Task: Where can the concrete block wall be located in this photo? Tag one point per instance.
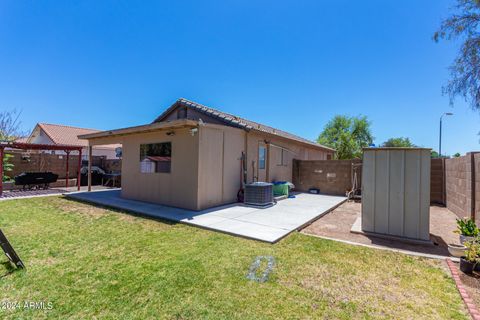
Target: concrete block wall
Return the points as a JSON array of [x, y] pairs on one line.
[[330, 176], [43, 162], [334, 177], [437, 181], [460, 184], [476, 186], [456, 185], [56, 164]]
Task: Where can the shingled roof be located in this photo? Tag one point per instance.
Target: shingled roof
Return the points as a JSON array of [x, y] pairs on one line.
[[235, 121]]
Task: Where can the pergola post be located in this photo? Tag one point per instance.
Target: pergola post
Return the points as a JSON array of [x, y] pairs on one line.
[[79, 175], [1, 170], [37, 146], [90, 149], [67, 167]]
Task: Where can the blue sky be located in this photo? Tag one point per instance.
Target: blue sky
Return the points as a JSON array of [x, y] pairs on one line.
[[289, 64]]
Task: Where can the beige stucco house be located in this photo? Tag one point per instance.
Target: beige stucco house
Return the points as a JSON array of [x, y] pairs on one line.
[[191, 156]]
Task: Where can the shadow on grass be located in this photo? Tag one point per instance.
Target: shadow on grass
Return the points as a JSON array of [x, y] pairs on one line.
[[7, 269], [113, 209]]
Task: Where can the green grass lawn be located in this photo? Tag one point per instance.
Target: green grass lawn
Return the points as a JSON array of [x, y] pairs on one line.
[[90, 262]]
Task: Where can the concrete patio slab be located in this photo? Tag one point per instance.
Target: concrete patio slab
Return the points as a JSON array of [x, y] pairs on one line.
[[267, 224]]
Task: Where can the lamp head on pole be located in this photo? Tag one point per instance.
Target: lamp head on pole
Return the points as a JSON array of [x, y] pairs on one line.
[[446, 114]]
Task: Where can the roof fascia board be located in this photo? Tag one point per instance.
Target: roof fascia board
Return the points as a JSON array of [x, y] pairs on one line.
[[140, 129], [312, 145]]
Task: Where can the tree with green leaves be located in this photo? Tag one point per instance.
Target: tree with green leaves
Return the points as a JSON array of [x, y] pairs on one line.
[[457, 155], [347, 135], [464, 26], [398, 143]]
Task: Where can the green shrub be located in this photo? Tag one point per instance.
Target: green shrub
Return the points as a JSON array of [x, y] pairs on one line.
[[472, 254], [467, 227], [7, 166]]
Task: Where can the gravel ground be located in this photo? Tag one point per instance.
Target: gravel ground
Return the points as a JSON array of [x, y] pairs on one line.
[[337, 224]]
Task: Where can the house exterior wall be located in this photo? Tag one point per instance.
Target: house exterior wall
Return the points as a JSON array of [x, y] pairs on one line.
[[38, 136], [220, 150], [220, 154], [206, 167], [179, 188], [275, 170]]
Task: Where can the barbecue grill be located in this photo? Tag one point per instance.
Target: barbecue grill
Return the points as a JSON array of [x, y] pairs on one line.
[[39, 180]]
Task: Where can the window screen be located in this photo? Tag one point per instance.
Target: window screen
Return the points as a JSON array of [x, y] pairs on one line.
[[262, 154], [156, 157]]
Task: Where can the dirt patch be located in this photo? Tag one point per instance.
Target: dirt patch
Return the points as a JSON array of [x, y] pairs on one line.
[[84, 209], [337, 225], [472, 285]]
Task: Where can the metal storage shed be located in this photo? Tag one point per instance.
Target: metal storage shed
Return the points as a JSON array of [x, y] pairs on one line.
[[396, 192]]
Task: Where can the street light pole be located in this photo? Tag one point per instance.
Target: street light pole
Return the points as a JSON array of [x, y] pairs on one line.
[[440, 135]]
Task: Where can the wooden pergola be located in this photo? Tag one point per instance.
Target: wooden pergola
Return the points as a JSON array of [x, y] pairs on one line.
[[34, 146]]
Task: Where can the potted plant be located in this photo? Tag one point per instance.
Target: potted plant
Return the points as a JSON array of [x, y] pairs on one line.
[[469, 262], [456, 250], [467, 229]]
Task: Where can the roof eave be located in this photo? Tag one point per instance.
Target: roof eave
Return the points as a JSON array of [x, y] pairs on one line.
[[309, 144], [140, 129]]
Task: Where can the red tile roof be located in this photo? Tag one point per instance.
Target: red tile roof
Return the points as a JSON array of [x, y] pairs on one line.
[[68, 135]]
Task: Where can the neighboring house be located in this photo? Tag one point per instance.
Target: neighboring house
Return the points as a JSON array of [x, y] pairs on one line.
[[44, 133], [197, 153]]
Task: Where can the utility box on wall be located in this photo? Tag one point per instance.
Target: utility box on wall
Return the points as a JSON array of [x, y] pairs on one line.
[[396, 192]]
